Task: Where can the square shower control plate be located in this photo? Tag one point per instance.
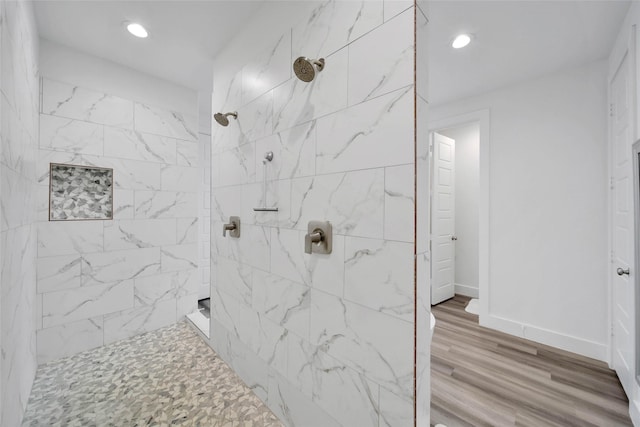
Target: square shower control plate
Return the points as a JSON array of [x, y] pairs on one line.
[[326, 244]]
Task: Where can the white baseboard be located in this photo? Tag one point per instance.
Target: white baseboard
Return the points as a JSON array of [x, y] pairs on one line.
[[544, 336], [466, 290]]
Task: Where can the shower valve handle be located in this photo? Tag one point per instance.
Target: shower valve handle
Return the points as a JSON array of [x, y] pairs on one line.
[[316, 237], [233, 227]]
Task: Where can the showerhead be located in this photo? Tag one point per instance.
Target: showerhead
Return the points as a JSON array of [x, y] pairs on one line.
[[305, 68], [222, 118]]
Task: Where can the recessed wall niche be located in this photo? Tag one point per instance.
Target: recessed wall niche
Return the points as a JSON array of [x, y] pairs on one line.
[[80, 193]]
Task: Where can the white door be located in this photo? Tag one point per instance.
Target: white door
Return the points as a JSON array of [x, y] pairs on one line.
[[623, 315], [442, 219]]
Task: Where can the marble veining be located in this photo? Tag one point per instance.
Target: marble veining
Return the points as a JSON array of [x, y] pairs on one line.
[[161, 378]]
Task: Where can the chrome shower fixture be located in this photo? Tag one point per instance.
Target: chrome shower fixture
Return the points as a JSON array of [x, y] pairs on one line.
[[222, 118], [305, 68]]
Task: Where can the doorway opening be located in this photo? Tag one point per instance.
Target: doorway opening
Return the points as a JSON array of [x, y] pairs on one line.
[[455, 196], [460, 209]]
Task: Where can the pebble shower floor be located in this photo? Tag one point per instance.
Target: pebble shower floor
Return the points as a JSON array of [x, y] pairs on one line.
[[169, 377]]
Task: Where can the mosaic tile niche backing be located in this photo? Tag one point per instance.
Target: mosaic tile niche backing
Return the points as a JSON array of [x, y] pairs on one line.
[[80, 192]]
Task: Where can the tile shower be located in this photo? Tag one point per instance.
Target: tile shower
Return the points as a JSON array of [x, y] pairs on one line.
[[325, 340], [102, 281]]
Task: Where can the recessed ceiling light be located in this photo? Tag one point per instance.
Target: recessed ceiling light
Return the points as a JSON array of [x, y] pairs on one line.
[[461, 41], [137, 30]]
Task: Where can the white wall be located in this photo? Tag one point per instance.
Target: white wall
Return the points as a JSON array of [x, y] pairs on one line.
[[548, 207], [102, 281], [467, 192], [325, 340], [18, 148]]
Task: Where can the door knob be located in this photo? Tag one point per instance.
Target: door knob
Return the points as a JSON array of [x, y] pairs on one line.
[[454, 237], [620, 271]]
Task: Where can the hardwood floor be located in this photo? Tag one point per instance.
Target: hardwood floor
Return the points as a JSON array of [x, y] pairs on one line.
[[482, 377]]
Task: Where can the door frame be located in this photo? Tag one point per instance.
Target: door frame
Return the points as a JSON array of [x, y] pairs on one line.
[[483, 117]]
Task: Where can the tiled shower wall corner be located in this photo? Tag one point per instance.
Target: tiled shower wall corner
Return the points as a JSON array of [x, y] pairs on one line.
[[102, 281], [18, 151], [325, 340]]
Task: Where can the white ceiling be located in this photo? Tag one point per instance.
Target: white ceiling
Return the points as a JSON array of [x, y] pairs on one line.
[[514, 41], [184, 36]]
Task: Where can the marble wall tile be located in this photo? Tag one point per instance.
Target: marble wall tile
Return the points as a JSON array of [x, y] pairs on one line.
[[300, 364], [423, 179], [251, 248], [399, 206], [379, 275], [295, 409], [133, 174], [63, 307], [57, 133], [225, 202], [59, 272], [160, 121], [375, 344], [268, 70], [235, 279], [353, 202], [179, 178], [186, 305], [19, 130], [13, 137], [186, 283], [348, 395], [187, 230], [108, 267], [165, 204], [334, 24], [423, 343], [140, 233], [356, 138], [68, 339], [395, 411], [17, 191], [151, 289], [255, 120], [134, 145], [123, 205], [393, 47], [422, 54], [269, 342], [135, 321], [67, 238], [296, 102], [179, 257], [66, 100], [250, 368], [294, 152], [288, 259], [186, 153], [394, 7], [282, 301], [237, 166]]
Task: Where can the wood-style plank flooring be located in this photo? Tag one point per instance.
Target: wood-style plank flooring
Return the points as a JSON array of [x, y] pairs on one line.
[[482, 377]]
